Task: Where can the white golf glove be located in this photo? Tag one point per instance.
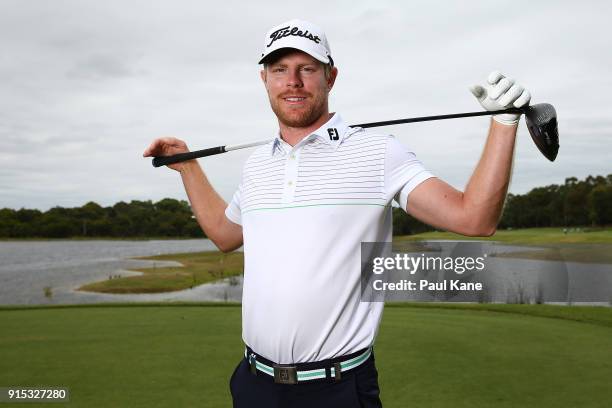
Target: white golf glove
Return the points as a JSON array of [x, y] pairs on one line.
[[501, 93]]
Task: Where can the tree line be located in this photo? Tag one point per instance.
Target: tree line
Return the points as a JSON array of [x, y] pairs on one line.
[[576, 203], [136, 219]]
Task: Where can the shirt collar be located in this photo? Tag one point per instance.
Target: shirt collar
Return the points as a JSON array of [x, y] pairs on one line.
[[332, 133]]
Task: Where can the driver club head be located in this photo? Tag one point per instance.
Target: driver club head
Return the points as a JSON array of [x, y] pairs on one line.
[[541, 121]]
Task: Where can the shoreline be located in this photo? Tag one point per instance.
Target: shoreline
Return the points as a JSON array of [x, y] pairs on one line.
[[523, 236], [100, 239]]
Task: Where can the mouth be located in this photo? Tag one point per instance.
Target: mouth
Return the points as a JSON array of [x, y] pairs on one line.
[[294, 100]]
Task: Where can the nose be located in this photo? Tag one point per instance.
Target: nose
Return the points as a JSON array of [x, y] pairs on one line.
[[294, 79]]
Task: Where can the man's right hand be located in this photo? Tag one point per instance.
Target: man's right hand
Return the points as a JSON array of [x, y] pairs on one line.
[[167, 146]]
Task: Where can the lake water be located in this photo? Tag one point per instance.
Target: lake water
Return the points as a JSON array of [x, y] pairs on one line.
[[504, 279], [28, 267]]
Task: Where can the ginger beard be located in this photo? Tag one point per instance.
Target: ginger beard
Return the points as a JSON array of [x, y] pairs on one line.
[[303, 114]]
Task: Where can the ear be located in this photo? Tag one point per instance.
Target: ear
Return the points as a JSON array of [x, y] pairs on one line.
[[332, 78], [262, 74]]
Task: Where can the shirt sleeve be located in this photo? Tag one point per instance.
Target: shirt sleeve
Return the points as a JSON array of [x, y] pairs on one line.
[[233, 212], [403, 172]]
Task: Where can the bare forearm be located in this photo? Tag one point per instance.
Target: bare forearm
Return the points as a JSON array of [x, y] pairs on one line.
[[485, 193], [206, 203]]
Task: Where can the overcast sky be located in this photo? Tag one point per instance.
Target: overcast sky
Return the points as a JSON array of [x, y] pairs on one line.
[[85, 86]]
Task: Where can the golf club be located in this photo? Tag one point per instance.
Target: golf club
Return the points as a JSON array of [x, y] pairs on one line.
[[541, 122]]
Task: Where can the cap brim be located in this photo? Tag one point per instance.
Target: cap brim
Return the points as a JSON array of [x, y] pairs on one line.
[[317, 56]]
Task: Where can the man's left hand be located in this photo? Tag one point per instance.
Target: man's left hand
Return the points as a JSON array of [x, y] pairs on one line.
[[501, 93]]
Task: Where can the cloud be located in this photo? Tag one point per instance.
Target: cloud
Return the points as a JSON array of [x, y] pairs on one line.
[[87, 85], [99, 67]]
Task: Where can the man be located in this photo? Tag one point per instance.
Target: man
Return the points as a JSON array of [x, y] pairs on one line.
[[305, 203]]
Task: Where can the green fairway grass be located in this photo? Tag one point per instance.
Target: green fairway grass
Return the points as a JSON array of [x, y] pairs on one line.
[[123, 356], [428, 355], [586, 246], [526, 236], [584, 253]]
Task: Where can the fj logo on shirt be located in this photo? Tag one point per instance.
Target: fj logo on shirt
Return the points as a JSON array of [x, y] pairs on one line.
[[333, 134], [287, 31]]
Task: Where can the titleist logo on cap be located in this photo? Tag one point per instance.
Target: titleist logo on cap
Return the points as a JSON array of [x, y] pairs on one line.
[[287, 31]]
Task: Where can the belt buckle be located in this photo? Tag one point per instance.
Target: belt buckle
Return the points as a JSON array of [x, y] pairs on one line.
[[285, 374], [337, 371]]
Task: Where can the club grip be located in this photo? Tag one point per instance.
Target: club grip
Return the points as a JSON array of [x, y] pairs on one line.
[[181, 157]]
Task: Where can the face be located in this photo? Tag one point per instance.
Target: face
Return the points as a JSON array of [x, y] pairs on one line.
[[297, 88]]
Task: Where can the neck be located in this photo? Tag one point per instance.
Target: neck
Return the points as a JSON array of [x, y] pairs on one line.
[[293, 135]]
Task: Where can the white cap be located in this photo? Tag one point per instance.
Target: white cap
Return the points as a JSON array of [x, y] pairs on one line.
[[298, 34]]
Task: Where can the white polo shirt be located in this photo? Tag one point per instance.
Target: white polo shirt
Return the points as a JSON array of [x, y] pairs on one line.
[[305, 210]]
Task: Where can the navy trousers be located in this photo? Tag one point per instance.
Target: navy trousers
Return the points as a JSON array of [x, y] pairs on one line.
[[358, 388]]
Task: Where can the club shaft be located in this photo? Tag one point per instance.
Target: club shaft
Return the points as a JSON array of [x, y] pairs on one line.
[[437, 117], [177, 158]]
